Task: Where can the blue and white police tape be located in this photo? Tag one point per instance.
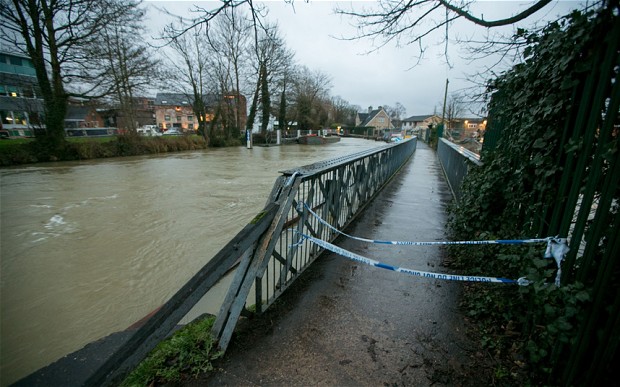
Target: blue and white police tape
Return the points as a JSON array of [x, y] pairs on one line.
[[436, 243], [557, 248], [449, 277]]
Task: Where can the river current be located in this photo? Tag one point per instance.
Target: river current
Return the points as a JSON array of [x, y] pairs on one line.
[[89, 248]]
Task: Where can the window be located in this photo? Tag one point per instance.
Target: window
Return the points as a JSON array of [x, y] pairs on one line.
[[381, 120], [20, 118], [27, 92], [7, 117], [35, 119], [167, 117], [190, 118], [179, 118], [15, 61]]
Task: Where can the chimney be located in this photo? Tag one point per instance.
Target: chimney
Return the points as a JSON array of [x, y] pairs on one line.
[[369, 109]]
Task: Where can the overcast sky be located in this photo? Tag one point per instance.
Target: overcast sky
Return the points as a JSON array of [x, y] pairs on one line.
[[386, 75]]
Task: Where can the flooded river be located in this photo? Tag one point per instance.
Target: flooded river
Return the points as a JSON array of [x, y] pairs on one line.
[[89, 248]]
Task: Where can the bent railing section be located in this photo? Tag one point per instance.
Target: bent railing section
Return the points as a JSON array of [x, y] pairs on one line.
[[266, 255], [455, 161], [337, 190]]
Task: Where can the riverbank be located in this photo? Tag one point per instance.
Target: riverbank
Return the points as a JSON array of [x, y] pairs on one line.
[[29, 151]]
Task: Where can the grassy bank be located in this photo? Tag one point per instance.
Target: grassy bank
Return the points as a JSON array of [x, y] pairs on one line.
[[188, 353], [27, 151]]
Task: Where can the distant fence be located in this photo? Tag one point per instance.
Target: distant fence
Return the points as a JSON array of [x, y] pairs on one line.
[[266, 254], [456, 162]]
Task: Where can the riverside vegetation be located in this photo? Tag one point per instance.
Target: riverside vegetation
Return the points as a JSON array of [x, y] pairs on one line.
[[26, 151]]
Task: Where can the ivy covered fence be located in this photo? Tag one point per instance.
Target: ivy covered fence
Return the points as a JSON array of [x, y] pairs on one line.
[[551, 168]]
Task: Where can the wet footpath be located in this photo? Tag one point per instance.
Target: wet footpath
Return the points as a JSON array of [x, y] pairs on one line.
[[358, 325]]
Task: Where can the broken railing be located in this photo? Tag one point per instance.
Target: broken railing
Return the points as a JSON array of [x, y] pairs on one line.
[[267, 255]]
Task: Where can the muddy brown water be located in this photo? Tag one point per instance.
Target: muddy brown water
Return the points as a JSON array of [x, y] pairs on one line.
[[89, 248]]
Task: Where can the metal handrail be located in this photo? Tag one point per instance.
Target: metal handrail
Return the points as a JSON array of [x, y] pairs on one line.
[[455, 161]]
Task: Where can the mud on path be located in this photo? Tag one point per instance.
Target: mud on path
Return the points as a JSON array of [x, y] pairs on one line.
[[347, 324]]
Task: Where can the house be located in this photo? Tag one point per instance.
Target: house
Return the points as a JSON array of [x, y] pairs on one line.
[[83, 116], [463, 128], [21, 107], [420, 122], [174, 110], [377, 119], [143, 114]]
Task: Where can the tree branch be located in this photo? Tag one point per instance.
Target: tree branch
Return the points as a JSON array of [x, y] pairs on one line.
[[496, 23]]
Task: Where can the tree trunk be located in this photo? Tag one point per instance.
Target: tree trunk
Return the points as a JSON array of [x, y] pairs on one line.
[[252, 113], [265, 100]]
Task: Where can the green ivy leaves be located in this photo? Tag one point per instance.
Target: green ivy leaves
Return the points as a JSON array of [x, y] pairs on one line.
[[508, 196]]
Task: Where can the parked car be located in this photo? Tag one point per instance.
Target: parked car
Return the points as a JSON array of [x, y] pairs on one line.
[[395, 138], [148, 131], [172, 132]]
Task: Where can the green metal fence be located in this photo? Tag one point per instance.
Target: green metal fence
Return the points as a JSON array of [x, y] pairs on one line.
[[586, 211], [455, 162]]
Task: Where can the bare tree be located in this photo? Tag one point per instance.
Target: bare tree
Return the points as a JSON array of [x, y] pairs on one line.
[[396, 112], [455, 108], [56, 35], [230, 40], [272, 68], [310, 88], [190, 63], [127, 64], [343, 112], [410, 22]]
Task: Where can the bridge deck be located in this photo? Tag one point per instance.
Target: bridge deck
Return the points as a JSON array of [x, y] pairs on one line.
[[359, 325]]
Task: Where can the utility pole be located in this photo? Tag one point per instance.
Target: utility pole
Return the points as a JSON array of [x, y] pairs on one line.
[[443, 113]]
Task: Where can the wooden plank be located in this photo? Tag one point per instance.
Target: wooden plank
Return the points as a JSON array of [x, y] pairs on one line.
[[259, 263], [240, 274]]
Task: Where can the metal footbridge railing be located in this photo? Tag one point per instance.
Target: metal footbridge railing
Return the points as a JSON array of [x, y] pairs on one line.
[[267, 255]]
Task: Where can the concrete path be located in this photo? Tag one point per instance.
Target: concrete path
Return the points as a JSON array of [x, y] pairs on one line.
[[356, 325]]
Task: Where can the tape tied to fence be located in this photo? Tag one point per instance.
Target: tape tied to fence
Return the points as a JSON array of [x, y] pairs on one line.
[[434, 243], [448, 277], [557, 247]]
